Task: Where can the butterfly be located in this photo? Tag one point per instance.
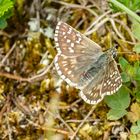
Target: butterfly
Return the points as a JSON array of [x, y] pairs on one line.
[[83, 65]]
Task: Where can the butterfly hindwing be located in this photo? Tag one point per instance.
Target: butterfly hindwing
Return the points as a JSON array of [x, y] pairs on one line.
[[106, 82], [72, 69]]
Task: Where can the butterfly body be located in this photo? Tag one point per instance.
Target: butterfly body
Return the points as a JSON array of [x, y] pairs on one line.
[[82, 64], [94, 68]]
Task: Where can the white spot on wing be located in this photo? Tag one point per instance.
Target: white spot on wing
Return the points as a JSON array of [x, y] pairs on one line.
[[69, 31], [57, 27], [59, 23], [87, 100], [70, 83], [93, 102], [59, 72], [55, 38], [109, 82], [59, 50], [64, 33], [72, 44], [64, 62], [69, 72], [56, 64], [56, 31], [72, 75], [71, 50], [68, 40], [118, 78], [66, 69], [63, 77], [56, 44]]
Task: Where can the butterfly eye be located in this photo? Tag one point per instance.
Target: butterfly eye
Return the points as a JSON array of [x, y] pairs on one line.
[[114, 54]]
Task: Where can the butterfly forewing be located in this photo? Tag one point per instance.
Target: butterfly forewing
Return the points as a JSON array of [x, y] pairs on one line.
[[75, 53], [71, 42]]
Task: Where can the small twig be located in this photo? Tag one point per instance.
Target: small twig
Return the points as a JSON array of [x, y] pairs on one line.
[[117, 14], [8, 54], [80, 23], [125, 49], [97, 26], [116, 30], [125, 52], [71, 105], [127, 29], [21, 106], [97, 20], [3, 33], [61, 119], [80, 125], [129, 42], [106, 135], [79, 121], [4, 108], [44, 56], [36, 77], [41, 61], [76, 6], [15, 77], [65, 123], [9, 129], [48, 129], [37, 4]]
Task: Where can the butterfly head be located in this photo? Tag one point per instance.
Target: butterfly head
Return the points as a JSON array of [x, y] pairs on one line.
[[113, 51]]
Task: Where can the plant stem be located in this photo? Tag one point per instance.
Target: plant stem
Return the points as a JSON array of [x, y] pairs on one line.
[[124, 8]]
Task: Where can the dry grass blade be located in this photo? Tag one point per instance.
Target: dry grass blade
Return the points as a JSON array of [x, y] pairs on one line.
[[76, 6], [84, 120]]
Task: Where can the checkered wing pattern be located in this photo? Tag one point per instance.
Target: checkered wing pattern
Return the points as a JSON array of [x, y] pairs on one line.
[[106, 82], [75, 53], [82, 64]]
